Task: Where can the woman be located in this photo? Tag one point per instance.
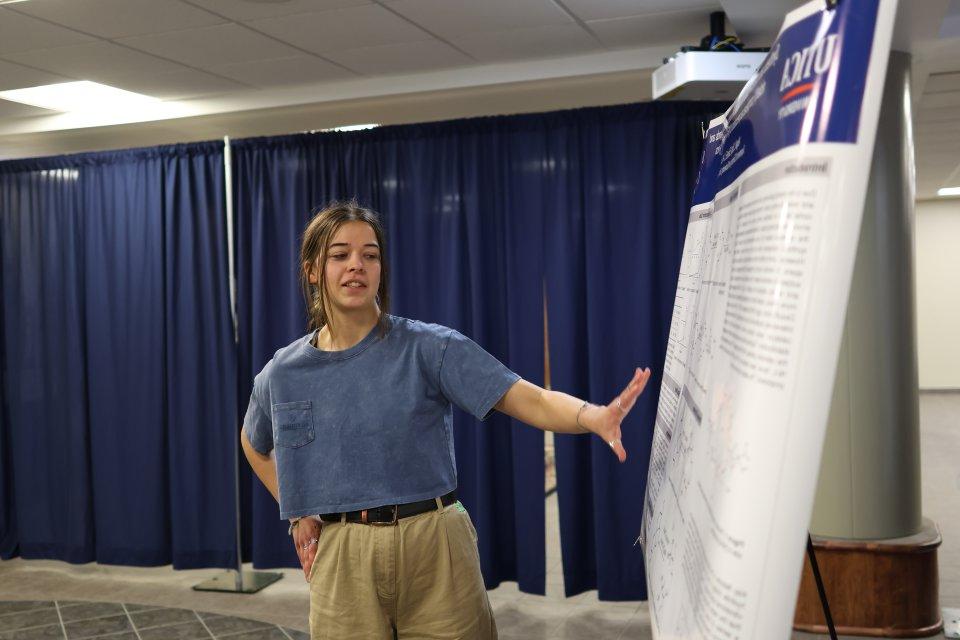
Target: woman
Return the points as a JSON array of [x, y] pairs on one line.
[[359, 415]]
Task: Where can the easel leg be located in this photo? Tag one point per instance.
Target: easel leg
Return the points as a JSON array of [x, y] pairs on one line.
[[820, 589]]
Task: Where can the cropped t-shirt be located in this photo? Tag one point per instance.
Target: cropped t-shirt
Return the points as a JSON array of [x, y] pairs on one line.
[[370, 425]]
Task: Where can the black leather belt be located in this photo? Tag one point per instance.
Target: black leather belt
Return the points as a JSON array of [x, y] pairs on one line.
[[389, 514]]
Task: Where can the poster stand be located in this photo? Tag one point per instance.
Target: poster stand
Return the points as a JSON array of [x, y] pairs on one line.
[[823, 593]]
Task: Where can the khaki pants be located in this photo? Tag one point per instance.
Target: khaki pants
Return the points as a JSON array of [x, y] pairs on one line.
[[420, 578]]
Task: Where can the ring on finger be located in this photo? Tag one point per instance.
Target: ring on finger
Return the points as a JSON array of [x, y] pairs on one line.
[[620, 406], [613, 443]]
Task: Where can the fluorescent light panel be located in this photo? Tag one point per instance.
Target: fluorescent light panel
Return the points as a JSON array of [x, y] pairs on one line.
[[949, 191], [78, 96], [353, 127]]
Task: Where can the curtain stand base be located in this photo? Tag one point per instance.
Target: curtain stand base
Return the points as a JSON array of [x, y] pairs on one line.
[[249, 582]]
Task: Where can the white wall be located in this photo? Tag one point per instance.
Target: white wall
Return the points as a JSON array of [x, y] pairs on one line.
[[938, 293]]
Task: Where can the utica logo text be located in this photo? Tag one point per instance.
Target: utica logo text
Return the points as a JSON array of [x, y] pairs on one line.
[[800, 71]]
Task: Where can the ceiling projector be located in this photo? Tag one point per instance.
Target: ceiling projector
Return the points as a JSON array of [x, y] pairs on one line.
[[715, 70]]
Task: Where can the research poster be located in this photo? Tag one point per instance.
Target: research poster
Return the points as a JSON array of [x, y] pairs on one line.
[[757, 322]]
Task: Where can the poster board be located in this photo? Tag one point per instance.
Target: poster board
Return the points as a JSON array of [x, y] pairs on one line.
[[756, 328]]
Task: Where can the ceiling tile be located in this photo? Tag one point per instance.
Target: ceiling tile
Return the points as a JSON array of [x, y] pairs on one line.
[[940, 99], [941, 159], [940, 173], [23, 33], [350, 28], [14, 76], [451, 18], [935, 128], [684, 27], [944, 81], [941, 133], [119, 18], [428, 55], [948, 147], [950, 132], [17, 110], [245, 10], [211, 46], [935, 114], [950, 27], [284, 71], [534, 42], [86, 61], [593, 10], [175, 85], [938, 56]]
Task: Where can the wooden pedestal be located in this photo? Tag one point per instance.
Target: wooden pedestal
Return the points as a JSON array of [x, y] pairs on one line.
[[881, 588]]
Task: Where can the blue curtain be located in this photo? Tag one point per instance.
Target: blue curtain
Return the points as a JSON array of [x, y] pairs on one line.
[[118, 359], [119, 403], [618, 216], [485, 219]]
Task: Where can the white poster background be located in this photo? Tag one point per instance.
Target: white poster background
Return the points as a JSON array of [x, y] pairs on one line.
[[751, 361]]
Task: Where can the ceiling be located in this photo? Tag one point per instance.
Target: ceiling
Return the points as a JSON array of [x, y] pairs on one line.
[[257, 67], [936, 71]]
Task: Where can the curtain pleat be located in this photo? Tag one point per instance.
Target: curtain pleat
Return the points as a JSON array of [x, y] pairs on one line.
[[119, 393]]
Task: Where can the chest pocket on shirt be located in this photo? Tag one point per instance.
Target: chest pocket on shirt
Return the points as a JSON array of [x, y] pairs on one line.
[[294, 423]]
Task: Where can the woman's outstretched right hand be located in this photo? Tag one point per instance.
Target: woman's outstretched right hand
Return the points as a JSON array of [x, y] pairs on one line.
[[306, 535]]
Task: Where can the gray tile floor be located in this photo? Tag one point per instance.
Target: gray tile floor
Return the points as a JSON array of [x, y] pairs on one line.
[[285, 603], [75, 620]]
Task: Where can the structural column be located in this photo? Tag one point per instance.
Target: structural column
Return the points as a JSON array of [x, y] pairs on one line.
[[876, 552]]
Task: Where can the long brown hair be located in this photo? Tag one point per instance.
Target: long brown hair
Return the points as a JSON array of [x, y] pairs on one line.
[[317, 235]]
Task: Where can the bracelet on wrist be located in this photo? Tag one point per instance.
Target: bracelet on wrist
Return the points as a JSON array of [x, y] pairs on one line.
[[293, 525], [579, 411]]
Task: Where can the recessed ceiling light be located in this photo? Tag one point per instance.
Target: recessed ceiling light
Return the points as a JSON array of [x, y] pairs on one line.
[[82, 95], [949, 191]]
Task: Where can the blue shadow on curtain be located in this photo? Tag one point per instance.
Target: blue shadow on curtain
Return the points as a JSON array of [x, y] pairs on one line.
[[118, 359], [618, 215]]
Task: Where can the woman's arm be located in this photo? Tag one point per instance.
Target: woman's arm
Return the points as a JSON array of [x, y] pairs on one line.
[[307, 530], [262, 465], [563, 413]]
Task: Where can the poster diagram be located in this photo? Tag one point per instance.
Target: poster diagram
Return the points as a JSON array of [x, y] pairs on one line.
[[756, 328]]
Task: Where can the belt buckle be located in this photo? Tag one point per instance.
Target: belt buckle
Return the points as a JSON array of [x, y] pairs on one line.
[[365, 520]]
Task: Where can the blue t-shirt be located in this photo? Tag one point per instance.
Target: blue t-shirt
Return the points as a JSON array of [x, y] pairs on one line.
[[370, 425]]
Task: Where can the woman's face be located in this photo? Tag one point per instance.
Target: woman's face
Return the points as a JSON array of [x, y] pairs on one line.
[[352, 273]]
